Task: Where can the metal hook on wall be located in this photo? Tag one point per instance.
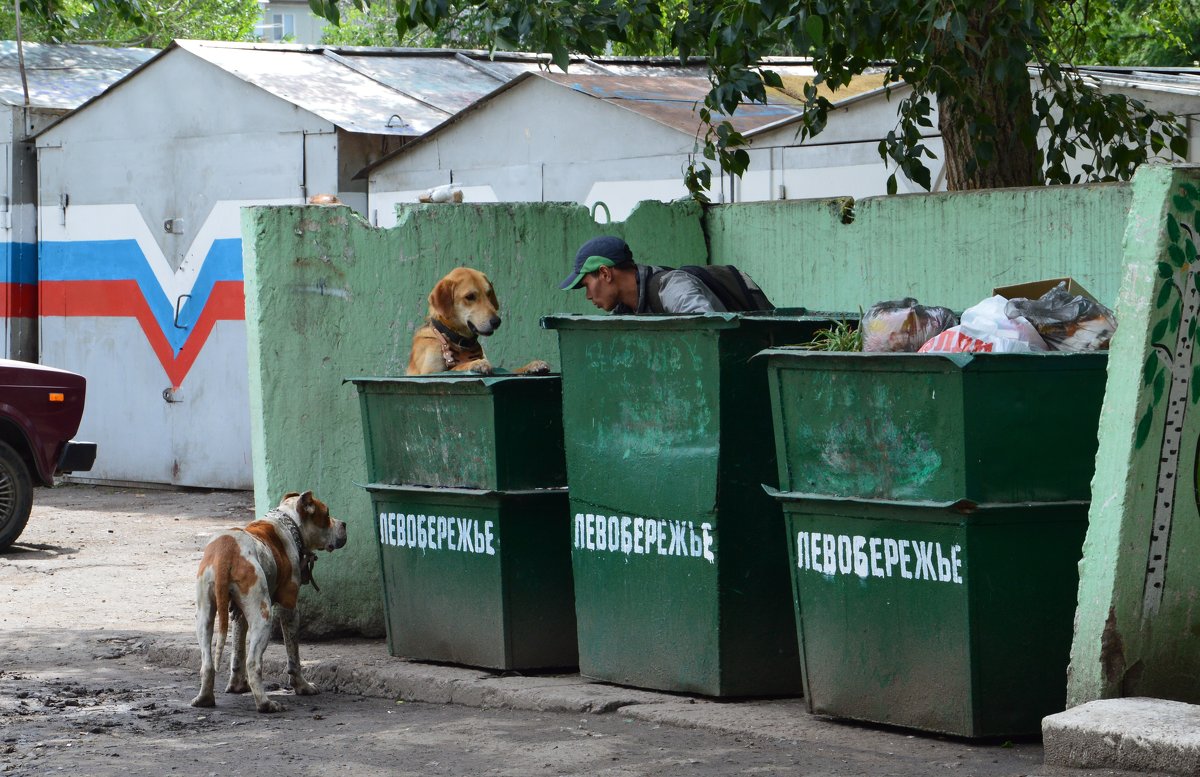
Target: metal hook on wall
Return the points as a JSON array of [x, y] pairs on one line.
[[179, 309]]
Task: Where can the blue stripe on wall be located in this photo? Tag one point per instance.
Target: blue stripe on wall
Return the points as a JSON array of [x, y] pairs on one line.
[[119, 260]]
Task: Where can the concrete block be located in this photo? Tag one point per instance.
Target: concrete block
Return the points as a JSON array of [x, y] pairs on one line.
[[1137, 734]]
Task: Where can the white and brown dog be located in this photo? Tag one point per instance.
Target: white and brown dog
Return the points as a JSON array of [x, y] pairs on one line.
[[246, 571], [462, 308]]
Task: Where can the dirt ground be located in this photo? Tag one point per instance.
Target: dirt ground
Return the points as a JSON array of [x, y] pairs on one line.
[[101, 572]]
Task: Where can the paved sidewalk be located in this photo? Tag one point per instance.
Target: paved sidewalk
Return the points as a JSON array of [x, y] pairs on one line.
[[363, 667], [135, 552], [1085, 744]]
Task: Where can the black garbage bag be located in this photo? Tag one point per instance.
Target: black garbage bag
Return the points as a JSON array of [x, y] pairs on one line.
[[1066, 322], [902, 325]]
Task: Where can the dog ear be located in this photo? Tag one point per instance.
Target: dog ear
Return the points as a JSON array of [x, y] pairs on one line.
[[306, 501], [491, 294], [289, 495], [441, 299]]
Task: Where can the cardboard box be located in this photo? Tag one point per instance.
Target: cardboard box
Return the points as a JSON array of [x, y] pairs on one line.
[[1035, 289]]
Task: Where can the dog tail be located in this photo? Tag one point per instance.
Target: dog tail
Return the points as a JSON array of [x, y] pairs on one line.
[[221, 605]]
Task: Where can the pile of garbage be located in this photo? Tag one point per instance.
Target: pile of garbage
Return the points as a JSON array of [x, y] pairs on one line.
[[1058, 320]]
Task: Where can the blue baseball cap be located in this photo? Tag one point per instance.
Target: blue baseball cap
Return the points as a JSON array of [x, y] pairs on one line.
[[603, 251]]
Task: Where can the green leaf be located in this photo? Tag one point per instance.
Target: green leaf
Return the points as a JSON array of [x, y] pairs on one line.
[[1175, 253], [1143, 428], [1179, 146], [891, 184], [1183, 204], [1164, 294], [1159, 330], [1160, 383], [1172, 228], [1165, 270], [815, 27], [1149, 368], [561, 57], [1195, 383]]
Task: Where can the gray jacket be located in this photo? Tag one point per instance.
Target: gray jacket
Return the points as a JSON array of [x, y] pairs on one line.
[[677, 291]]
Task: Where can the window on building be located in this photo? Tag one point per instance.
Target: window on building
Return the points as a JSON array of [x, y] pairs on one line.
[[277, 27]]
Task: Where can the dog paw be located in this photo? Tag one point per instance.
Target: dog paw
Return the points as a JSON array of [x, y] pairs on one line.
[[481, 367], [536, 367], [204, 700], [306, 689], [240, 686], [270, 706]]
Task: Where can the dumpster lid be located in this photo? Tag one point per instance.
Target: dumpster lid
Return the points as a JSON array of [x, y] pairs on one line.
[[465, 381], [404, 488], [964, 506], [690, 321], [1059, 360]]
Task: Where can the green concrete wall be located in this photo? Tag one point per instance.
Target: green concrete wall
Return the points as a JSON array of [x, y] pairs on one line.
[[328, 297], [1138, 621], [943, 249]]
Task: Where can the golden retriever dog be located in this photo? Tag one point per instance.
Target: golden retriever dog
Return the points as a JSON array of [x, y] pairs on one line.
[[462, 308]]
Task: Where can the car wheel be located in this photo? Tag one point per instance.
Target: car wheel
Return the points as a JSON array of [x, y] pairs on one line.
[[16, 495]]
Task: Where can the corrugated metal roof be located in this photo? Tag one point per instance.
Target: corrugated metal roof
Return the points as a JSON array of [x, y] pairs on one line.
[[64, 77], [1185, 81], [365, 89], [674, 101], [323, 86]]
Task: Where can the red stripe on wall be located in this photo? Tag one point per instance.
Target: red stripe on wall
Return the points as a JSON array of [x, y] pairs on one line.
[[18, 300], [123, 299]]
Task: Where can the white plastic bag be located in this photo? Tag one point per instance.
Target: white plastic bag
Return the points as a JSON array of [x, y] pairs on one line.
[[986, 327]]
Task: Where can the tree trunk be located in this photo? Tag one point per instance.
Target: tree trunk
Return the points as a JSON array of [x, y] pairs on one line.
[[1179, 372], [984, 100]]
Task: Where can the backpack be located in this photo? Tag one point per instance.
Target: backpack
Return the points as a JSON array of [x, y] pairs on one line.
[[736, 290]]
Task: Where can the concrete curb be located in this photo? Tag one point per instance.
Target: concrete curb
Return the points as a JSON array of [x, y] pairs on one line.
[[1136, 734], [363, 667]]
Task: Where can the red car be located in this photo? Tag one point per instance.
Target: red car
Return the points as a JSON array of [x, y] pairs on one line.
[[40, 409]]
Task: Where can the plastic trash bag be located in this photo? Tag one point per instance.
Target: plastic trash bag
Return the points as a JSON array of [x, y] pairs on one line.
[[986, 327], [902, 325], [1066, 322]]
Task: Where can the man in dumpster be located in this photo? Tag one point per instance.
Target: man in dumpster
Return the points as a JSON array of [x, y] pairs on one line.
[[604, 266]]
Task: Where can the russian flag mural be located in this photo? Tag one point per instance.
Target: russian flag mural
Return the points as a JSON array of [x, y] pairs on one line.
[[160, 339], [18, 281], [18, 300]]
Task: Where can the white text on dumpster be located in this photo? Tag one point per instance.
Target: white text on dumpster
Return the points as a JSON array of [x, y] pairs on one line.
[[436, 532], [842, 554], [644, 536]]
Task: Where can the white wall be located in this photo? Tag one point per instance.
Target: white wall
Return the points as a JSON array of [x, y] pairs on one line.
[[148, 314]]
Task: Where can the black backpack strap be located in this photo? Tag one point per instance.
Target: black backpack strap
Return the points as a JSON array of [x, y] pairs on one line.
[[719, 290], [728, 284], [653, 302]]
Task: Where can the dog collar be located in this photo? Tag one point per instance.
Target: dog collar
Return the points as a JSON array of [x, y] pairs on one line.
[[454, 337], [308, 559]]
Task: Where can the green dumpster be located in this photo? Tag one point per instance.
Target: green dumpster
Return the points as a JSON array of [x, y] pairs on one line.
[[936, 506], [468, 486], [947, 617], [938, 426], [465, 431], [681, 583], [474, 577]]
